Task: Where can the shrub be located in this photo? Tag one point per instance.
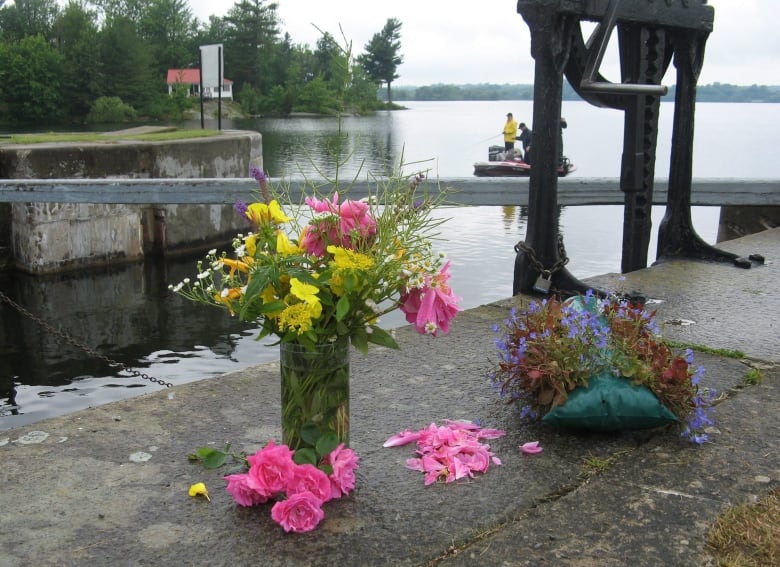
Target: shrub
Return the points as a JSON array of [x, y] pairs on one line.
[[110, 109]]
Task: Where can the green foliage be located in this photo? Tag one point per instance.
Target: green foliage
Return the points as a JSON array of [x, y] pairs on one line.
[[169, 27], [27, 18], [127, 65], [317, 97], [753, 377], [554, 347], [250, 44], [249, 99], [214, 458], [30, 81], [76, 37], [173, 106], [382, 56], [108, 109]]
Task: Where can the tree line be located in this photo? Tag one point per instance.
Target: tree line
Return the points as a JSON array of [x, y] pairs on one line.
[[716, 92], [107, 60]]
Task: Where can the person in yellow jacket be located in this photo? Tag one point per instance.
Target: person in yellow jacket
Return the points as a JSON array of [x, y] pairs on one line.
[[510, 133]]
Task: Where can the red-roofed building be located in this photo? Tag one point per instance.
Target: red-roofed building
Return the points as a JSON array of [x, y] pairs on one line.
[[191, 78]]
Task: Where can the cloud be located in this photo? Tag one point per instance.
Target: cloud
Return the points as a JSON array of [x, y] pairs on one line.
[[489, 42]]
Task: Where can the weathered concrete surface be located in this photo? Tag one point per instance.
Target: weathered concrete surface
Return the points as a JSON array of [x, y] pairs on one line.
[[109, 485], [56, 237]]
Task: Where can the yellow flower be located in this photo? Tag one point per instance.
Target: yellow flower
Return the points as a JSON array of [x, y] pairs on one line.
[[227, 296], [337, 283], [305, 292], [269, 294], [260, 213], [284, 246], [299, 316], [251, 245], [236, 265], [199, 489], [349, 259]]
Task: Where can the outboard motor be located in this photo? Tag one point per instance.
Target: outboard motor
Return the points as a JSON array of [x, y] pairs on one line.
[[495, 153]]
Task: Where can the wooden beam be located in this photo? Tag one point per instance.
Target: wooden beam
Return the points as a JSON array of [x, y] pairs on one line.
[[462, 191]]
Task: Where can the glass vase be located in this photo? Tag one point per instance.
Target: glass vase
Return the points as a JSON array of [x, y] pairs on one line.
[[315, 392]]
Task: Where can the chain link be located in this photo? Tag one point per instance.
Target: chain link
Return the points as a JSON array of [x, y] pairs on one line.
[[72, 341], [536, 263]]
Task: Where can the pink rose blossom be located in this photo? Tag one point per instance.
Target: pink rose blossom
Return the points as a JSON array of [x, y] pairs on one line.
[[301, 512], [308, 478], [270, 468], [348, 225], [343, 461], [241, 489], [432, 306]]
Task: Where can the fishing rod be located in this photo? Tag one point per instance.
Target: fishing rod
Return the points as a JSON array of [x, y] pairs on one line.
[[486, 139]]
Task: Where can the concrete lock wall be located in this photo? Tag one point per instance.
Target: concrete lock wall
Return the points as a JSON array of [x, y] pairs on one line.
[[57, 237]]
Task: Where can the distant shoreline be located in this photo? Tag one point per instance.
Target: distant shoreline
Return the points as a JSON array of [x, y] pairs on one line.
[[714, 92]]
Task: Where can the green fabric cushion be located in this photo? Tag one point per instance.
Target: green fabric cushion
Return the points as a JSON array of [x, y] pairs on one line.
[[610, 403]]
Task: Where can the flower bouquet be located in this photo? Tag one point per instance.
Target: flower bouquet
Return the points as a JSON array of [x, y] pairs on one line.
[[598, 364], [319, 275]]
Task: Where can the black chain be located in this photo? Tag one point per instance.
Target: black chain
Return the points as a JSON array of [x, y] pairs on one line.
[[72, 341], [531, 255]]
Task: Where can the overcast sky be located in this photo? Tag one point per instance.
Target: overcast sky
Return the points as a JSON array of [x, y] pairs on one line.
[[458, 41]]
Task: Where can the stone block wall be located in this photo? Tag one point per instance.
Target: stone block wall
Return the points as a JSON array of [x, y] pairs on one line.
[[56, 237]]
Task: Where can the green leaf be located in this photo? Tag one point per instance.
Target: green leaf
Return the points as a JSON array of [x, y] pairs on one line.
[[310, 433], [381, 337], [326, 443], [304, 456], [327, 469], [360, 340], [342, 308], [271, 307], [212, 458]]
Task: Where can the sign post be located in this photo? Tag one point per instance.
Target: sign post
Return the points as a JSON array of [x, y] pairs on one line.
[[212, 76]]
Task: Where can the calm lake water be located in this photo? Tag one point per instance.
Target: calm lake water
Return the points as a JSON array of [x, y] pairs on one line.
[[129, 315]]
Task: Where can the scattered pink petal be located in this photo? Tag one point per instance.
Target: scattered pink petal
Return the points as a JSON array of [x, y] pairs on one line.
[[531, 448], [402, 438], [449, 452]]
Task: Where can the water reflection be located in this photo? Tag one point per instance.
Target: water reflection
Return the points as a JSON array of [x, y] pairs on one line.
[[308, 147], [125, 315]]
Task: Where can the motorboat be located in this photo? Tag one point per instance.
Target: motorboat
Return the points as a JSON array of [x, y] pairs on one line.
[[510, 164]]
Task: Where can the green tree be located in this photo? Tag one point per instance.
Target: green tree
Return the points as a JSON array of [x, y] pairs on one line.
[[26, 18], [317, 97], [252, 32], [75, 36], [361, 94], [170, 30], [132, 10], [30, 81], [127, 66], [382, 57]]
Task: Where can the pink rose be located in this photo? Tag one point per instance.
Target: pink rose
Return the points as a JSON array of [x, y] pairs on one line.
[[348, 225], [344, 461], [301, 512], [308, 478], [433, 306], [270, 468], [241, 489]]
